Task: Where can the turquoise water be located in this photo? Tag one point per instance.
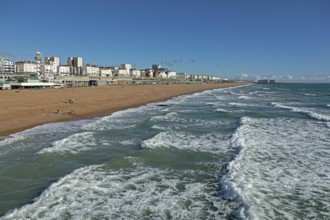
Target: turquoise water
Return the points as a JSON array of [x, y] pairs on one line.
[[253, 152]]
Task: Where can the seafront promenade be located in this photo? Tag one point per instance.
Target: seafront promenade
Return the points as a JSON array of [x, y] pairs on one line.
[[23, 109]]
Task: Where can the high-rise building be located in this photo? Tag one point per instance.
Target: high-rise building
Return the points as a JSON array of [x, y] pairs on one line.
[[126, 66], [7, 66], [156, 70], [52, 61], [155, 67], [75, 61]]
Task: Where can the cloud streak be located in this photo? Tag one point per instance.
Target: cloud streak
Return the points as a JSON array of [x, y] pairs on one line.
[[286, 78], [6, 54], [174, 62]]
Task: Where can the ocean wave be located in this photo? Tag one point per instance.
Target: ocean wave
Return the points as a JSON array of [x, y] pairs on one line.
[[211, 143], [124, 119], [238, 104], [171, 116], [46, 129], [173, 120], [73, 144], [12, 139], [244, 97], [271, 174], [309, 94], [97, 192], [230, 189], [222, 110], [306, 111]]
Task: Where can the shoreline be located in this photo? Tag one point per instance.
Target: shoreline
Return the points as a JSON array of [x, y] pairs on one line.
[[24, 109]]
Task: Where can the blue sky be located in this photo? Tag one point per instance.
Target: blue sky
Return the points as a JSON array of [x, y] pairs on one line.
[[288, 40]]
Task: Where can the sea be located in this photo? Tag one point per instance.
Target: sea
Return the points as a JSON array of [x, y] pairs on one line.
[[249, 152]]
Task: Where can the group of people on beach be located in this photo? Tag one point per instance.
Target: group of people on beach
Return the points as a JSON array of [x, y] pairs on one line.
[[69, 101]]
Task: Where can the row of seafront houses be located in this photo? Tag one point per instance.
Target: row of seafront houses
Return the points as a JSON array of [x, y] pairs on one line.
[[19, 74]]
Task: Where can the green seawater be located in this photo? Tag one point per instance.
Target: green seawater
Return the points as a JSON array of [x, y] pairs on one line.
[[253, 152]]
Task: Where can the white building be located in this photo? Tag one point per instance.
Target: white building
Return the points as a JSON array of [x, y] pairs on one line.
[[7, 66], [135, 73], [26, 66], [182, 76], [63, 70], [92, 71], [171, 74], [162, 74], [105, 72], [48, 69], [167, 74], [121, 73], [149, 73], [126, 69]]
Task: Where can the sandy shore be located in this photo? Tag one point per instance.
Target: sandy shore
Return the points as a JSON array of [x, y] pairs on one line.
[[23, 109]]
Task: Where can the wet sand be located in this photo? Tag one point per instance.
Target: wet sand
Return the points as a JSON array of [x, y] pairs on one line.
[[23, 109]]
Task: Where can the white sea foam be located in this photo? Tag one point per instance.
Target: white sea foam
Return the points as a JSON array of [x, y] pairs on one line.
[[171, 116], [96, 192], [222, 110], [130, 142], [309, 94], [174, 121], [244, 97], [73, 144], [123, 119], [212, 143], [238, 104], [12, 139], [59, 127], [306, 111], [282, 170]]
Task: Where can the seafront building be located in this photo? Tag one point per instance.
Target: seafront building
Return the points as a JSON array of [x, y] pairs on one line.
[[7, 66], [75, 61], [135, 73], [91, 70], [105, 71], [52, 60], [26, 66], [63, 70], [49, 72]]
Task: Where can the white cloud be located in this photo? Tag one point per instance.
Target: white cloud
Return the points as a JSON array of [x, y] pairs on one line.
[[244, 75], [286, 78]]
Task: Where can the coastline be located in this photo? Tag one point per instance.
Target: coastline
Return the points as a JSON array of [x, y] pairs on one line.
[[24, 109]]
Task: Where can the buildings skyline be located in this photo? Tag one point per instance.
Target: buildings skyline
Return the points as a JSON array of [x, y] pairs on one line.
[[50, 68]]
